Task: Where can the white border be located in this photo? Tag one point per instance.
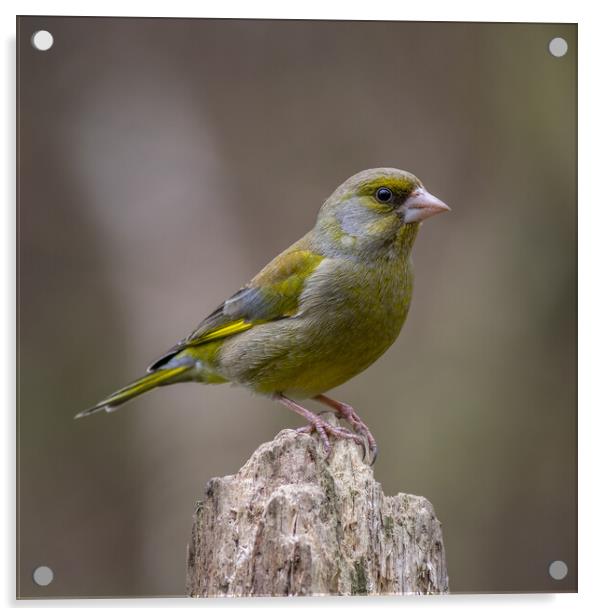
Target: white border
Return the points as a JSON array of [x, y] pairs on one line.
[[434, 10], [590, 305]]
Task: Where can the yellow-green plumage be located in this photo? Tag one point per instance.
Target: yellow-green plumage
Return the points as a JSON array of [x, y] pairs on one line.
[[350, 314], [137, 388], [320, 312]]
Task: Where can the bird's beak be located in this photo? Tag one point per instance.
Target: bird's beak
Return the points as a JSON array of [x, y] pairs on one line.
[[421, 205]]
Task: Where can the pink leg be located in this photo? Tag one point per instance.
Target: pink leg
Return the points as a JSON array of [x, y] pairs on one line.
[[347, 412], [322, 427]]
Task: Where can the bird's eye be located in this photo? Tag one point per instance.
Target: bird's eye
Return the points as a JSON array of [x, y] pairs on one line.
[[384, 195]]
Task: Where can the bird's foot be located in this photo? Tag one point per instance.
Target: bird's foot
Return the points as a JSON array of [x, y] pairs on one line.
[[321, 426], [347, 412], [326, 430]]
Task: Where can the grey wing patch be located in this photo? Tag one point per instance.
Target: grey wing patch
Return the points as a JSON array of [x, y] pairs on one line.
[[250, 304], [244, 304]]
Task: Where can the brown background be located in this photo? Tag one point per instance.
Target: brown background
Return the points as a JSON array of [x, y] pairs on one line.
[[163, 162]]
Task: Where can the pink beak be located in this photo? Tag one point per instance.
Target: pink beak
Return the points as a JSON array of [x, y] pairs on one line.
[[421, 205]]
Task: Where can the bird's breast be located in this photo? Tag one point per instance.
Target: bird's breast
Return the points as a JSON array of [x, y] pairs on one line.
[[349, 314]]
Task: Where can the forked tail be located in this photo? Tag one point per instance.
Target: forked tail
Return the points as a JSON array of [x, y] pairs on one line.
[[141, 386]]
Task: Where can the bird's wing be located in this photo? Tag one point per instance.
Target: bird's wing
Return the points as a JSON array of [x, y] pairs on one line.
[[273, 294]]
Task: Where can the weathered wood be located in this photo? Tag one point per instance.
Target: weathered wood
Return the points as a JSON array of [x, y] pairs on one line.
[[291, 523]]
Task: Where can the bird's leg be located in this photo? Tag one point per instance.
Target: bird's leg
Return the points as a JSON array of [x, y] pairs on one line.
[[321, 426], [346, 411]]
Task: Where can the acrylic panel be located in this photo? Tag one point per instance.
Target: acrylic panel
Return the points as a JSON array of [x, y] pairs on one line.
[[161, 164]]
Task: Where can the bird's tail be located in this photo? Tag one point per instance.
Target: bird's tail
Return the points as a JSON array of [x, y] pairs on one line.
[[141, 386]]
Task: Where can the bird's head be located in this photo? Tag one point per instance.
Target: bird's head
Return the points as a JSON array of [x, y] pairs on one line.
[[376, 210]]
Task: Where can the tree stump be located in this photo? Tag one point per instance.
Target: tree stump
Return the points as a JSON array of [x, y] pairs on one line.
[[292, 523]]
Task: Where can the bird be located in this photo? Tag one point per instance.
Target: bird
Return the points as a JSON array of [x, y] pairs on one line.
[[315, 316]]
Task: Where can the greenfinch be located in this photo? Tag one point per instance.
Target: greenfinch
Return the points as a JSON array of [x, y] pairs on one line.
[[316, 315]]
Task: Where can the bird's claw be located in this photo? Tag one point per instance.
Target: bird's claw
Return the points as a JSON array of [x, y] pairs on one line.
[[347, 412], [372, 447], [373, 453], [325, 429]]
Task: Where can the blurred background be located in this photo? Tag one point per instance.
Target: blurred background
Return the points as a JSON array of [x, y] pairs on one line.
[[163, 162]]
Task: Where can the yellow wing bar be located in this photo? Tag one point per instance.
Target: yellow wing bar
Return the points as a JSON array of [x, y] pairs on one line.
[[225, 330]]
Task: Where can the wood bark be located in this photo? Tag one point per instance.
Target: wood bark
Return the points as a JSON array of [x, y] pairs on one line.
[[291, 522]]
